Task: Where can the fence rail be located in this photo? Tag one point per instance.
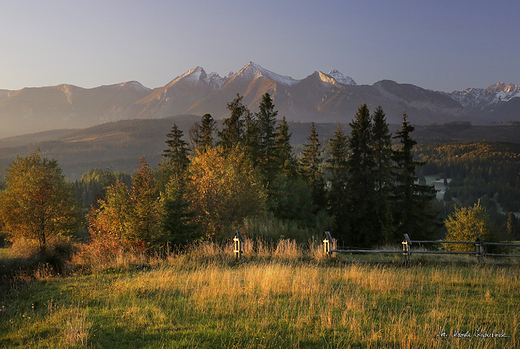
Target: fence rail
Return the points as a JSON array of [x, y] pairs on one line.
[[330, 247]]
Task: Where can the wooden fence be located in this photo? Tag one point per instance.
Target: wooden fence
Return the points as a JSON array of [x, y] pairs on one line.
[[330, 247]]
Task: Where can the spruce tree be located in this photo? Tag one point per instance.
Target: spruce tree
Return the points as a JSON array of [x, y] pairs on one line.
[[175, 158], [360, 185], [266, 121], [382, 146], [177, 222], [284, 158], [310, 167], [337, 165], [233, 132], [251, 139], [411, 202], [143, 218], [176, 155], [201, 135]]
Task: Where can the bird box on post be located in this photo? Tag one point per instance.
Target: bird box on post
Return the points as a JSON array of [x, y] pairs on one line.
[[238, 241]]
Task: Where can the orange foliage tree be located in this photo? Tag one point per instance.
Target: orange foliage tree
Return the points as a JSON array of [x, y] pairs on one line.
[[37, 204], [127, 219]]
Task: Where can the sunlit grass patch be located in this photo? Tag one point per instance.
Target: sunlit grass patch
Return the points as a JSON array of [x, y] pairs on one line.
[[204, 299]]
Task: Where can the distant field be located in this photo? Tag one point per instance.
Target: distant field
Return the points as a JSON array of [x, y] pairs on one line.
[[209, 301]]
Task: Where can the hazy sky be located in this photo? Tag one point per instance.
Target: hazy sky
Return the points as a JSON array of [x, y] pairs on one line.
[[435, 44]]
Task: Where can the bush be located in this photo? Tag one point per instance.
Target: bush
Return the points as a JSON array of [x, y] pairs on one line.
[[27, 261], [467, 224]]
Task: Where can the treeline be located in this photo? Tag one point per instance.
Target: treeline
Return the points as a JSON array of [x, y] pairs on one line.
[[246, 175], [360, 187], [478, 170], [484, 171]]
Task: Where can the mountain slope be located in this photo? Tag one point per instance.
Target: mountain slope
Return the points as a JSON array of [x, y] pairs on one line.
[[320, 97], [65, 106]]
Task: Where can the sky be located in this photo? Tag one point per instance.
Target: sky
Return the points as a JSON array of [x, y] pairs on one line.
[[436, 44]]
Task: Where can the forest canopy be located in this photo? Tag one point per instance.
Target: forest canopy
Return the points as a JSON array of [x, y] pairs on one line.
[[363, 185]]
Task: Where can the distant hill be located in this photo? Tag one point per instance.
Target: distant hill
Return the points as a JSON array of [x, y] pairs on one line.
[[119, 145], [320, 97]]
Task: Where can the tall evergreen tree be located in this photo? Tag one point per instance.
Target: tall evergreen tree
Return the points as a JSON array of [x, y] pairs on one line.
[[233, 132], [310, 167], [201, 135], [177, 224], [284, 158], [337, 165], [175, 158], [176, 155], [142, 222], [251, 139], [382, 146], [361, 182], [266, 121], [411, 202]]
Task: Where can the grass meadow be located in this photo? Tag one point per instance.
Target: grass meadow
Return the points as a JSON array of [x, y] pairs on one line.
[[279, 296]]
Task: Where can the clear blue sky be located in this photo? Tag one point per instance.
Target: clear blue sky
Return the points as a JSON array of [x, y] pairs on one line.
[[435, 44]]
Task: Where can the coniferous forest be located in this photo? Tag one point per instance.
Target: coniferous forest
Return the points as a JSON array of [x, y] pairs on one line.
[[367, 187]]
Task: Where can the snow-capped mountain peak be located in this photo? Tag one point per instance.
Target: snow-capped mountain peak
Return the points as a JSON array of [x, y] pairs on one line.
[[198, 74], [342, 79], [253, 70], [479, 97]]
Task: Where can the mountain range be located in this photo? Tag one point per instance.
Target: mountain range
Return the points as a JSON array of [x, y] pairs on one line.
[[320, 97]]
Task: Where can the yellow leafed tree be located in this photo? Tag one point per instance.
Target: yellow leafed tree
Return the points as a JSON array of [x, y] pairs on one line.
[[467, 224], [223, 189], [37, 203]]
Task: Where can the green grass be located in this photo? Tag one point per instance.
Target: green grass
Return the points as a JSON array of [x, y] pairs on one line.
[[4, 252], [283, 300]]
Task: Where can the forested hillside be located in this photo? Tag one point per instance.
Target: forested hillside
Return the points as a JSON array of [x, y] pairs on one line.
[[479, 170]]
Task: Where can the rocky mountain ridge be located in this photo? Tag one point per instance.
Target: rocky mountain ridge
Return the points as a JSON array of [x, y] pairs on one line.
[[320, 97]]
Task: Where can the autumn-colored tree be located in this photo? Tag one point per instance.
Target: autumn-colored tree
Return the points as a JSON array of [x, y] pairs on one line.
[[224, 188], [107, 221], [467, 224], [127, 219], [37, 202]]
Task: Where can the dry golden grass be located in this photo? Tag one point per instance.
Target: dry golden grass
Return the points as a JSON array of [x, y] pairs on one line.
[[278, 296]]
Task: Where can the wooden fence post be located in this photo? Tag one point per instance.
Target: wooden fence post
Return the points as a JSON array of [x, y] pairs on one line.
[[327, 242], [479, 248], [238, 240], [407, 248]]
